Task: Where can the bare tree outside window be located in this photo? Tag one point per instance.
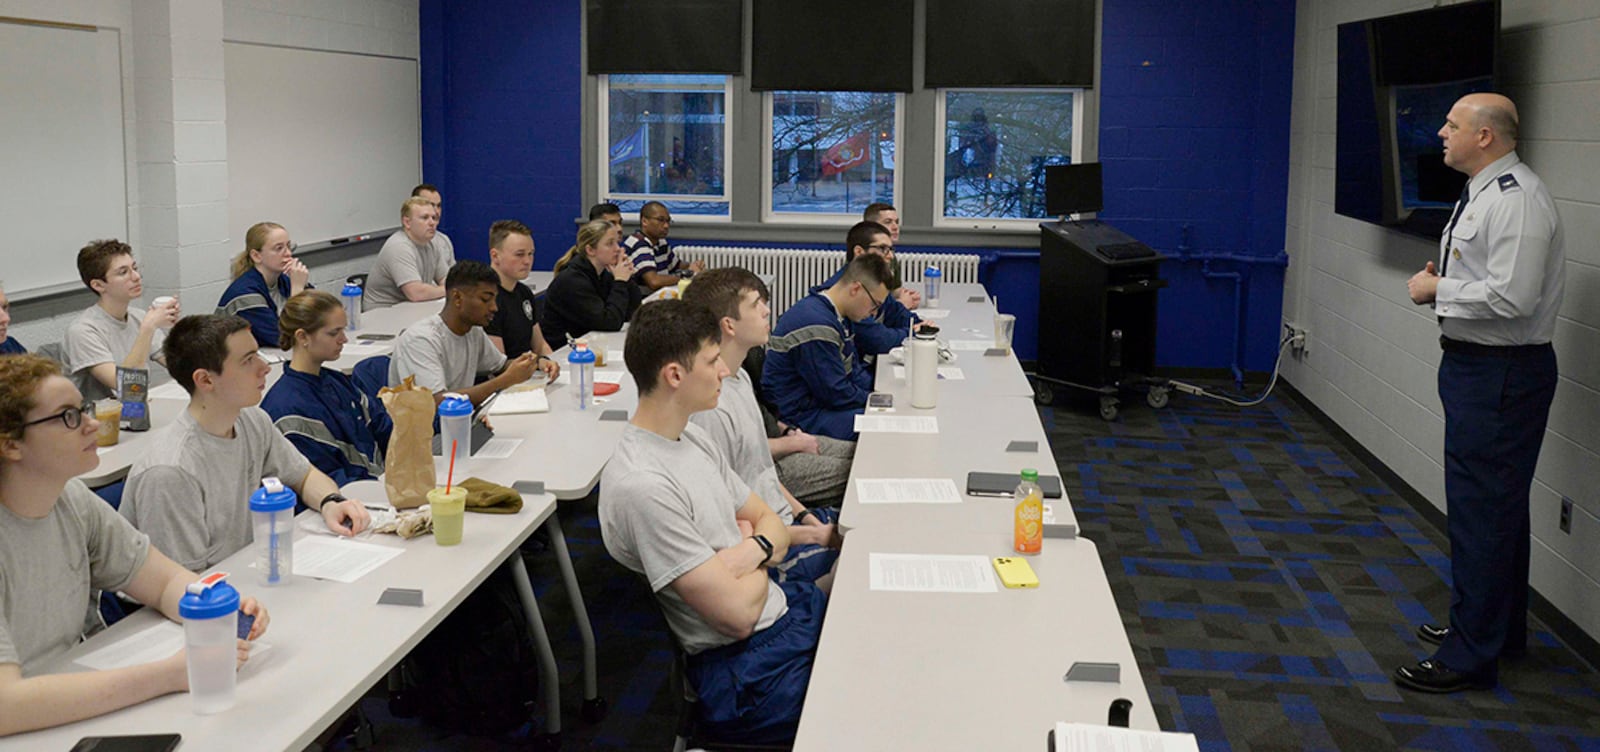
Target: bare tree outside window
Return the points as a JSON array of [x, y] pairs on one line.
[[666, 139], [832, 152], [996, 146]]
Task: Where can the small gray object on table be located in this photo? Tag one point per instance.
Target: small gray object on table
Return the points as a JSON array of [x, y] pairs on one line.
[[614, 415], [1023, 446], [1095, 672]]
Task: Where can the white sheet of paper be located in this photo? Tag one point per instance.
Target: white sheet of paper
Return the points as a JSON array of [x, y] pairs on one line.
[[1088, 737], [897, 424], [947, 373], [520, 401], [973, 345], [609, 376], [153, 643], [311, 523], [274, 355], [613, 356], [497, 448], [363, 350], [337, 559], [932, 573], [933, 314], [907, 491], [169, 390]]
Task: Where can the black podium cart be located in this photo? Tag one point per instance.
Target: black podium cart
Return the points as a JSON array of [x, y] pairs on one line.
[[1097, 314]]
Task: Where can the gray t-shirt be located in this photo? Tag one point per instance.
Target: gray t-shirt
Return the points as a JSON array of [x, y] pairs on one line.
[[48, 568], [667, 507], [191, 491], [96, 337], [736, 426], [400, 261], [440, 359]]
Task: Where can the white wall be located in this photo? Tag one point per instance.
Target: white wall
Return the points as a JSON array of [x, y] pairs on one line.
[[1374, 356], [175, 130]]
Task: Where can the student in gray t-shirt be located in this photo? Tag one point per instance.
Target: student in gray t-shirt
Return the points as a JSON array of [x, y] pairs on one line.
[[111, 332], [672, 511], [191, 492], [59, 543], [413, 261], [738, 298], [445, 353]]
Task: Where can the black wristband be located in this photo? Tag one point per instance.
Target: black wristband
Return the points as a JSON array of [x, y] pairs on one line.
[[801, 515], [334, 497], [766, 547]]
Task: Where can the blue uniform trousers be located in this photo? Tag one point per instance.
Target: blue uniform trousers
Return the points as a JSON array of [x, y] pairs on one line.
[[1496, 403], [751, 691]]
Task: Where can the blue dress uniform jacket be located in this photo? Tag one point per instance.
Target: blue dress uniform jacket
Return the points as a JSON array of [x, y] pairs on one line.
[[331, 422], [12, 347], [251, 299], [812, 372], [883, 332]]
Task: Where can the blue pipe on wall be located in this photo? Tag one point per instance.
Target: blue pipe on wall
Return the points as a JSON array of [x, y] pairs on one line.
[[1240, 288]]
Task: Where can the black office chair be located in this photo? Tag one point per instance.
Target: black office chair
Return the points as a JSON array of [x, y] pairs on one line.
[[687, 725]]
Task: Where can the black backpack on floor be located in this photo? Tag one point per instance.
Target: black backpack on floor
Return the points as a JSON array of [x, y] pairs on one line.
[[476, 673]]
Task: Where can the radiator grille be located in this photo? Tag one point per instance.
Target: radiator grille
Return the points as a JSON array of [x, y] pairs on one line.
[[795, 271]]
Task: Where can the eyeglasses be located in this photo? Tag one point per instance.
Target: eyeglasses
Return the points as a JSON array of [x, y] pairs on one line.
[[876, 304], [662, 220], [71, 417], [889, 247]]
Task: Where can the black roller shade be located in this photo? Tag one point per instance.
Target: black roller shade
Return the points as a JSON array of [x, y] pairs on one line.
[[831, 45], [1009, 43], [666, 36]]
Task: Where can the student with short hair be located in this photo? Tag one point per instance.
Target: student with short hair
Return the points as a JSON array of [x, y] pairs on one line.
[[812, 373], [672, 509], [413, 261], [321, 411], [445, 353], [112, 332], [590, 292], [8, 344], [886, 215], [514, 328], [265, 275], [59, 542], [190, 492], [654, 262], [738, 298], [887, 328], [607, 211]]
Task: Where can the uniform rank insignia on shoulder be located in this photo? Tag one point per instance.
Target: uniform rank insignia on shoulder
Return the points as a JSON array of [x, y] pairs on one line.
[[1508, 182]]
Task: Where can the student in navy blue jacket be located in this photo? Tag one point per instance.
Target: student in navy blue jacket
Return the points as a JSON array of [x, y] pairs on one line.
[[812, 372], [319, 409], [264, 276], [886, 329]]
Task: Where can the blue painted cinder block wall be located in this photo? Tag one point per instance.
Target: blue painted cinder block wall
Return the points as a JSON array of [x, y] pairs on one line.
[[1194, 138]]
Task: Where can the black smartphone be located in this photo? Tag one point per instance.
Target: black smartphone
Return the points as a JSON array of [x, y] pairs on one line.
[[134, 743], [880, 401]]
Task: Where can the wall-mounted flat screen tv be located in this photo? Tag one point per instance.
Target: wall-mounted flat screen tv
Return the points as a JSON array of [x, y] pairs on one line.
[[1398, 77]]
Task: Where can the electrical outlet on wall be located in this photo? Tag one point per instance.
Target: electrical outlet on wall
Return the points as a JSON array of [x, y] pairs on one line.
[[1566, 515], [1299, 337]]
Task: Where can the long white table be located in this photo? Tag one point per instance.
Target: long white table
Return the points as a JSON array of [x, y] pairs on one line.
[[921, 671], [973, 435], [331, 642]]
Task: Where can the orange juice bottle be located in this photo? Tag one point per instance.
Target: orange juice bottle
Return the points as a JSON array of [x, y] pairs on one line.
[[1029, 514]]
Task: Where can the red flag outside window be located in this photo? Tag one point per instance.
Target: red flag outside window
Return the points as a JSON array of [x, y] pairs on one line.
[[853, 151]]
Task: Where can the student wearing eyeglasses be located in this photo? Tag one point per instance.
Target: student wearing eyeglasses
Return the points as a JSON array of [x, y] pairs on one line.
[[812, 373], [58, 543], [655, 265], [265, 275], [886, 328]]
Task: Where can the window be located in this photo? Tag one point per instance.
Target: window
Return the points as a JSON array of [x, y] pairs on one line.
[[665, 138], [830, 154], [993, 147]]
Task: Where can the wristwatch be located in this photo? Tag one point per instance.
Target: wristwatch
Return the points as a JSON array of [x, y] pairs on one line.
[[801, 515], [333, 497], [766, 547]]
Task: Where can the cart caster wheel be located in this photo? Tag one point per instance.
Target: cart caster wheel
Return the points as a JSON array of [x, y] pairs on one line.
[[594, 710], [1108, 408], [1157, 397], [547, 742], [1043, 394]]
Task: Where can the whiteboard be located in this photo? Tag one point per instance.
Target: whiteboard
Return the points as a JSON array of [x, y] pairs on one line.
[[61, 155], [327, 144]]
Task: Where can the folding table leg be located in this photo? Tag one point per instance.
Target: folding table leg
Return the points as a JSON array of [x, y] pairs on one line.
[[547, 658], [594, 706]]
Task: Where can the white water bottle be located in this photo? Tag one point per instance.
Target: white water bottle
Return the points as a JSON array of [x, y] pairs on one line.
[[931, 277], [581, 363], [923, 368], [210, 611], [272, 508], [455, 426]]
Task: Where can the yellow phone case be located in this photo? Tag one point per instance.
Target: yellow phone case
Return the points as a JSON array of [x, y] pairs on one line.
[[1015, 572]]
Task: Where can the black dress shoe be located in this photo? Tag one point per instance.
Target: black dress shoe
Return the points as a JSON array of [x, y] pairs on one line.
[[1432, 634], [1435, 635], [1433, 676]]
